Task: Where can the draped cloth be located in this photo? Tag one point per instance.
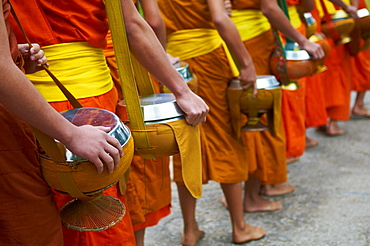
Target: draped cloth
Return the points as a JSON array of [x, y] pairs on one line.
[[266, 154], [88, 70], [360, 67], [28, 215], [223, 157]]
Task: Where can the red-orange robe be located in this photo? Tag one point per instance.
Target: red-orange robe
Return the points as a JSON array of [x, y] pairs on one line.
[[28, 215], [337, 82], [46, 23], [294, 111], [316, 114], [360, 66]]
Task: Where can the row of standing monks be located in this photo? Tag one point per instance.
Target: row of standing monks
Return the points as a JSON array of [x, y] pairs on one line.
[[73, 35]]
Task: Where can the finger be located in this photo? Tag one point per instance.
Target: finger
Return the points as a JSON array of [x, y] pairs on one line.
[[98, 164], [189, 119], [35, 48], [108, 160], [114, 153], [198, 119], [43, 60], [115, 143], [103, 128], [255, 91], [38, 55]]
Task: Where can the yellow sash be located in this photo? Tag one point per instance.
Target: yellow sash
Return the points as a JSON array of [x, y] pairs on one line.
[[329, 6], [79, 66], [190, 43], [250, 23], [294, 16]]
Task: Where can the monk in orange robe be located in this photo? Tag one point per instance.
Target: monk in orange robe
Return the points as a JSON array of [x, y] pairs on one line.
[[194, 31], [337, 92], [148, 190], [28, 213], [360, 67], [88, 43], [266, 154], [316, 114]]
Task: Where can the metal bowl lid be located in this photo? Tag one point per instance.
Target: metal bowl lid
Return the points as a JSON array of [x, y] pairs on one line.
[[183, 69], [158, 107], [297, 55], [97, 117], [363, 13], [263, 82], [294, 53], [339, 15], [309, 18]]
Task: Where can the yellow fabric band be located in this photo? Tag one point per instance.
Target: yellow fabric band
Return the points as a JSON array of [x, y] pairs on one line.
[[250, 23], [329, 6], [79, 66], [294, 16], [190, 43], [367, 3]]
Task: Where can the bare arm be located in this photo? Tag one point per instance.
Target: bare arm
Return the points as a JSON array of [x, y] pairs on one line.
[[230, 35], [278, 20], [306, 6], [350, 9], [155, 20], [19, 96], [149, 52]]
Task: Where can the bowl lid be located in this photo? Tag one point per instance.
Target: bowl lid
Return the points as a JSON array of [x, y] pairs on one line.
[[339, 15], [263, 82], [297, 55], [363, 13], [158, 107], [97, 117]]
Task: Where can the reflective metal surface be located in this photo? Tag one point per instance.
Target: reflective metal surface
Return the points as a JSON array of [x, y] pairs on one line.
[[157, 107], [309, 18], [165, 120], [294, 53], [118, 129], [263, 82], [184, 71], [339, 15], [363, 13]]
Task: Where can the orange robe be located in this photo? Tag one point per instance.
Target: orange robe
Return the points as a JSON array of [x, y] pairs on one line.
[[360, 66], [337, 82], [121, 233], [266, 154], [294, 112], [89, 22], [28, 215], [148, 190], [223, 157], [316, 114]]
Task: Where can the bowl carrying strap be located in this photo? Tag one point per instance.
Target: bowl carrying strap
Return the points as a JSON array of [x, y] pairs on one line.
[[47, 142]]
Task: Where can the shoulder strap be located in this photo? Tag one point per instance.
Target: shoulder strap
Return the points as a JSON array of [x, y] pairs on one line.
[[126, 73]]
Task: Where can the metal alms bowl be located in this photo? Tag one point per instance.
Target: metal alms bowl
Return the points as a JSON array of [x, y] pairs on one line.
[[263, 82], [184, 71], [118, 129], [158, 107]]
